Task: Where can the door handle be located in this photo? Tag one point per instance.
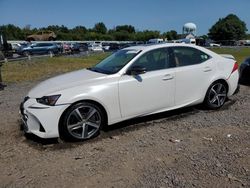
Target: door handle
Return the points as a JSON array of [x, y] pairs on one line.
[[168, 77], [207, 69]]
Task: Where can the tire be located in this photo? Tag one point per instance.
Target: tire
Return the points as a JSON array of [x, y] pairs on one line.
[[51, 53], [216, 95], [26, 53], [81, 121], [1, 56]]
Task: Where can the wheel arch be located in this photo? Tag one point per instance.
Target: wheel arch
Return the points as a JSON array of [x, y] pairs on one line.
[[90, 101], [222, 81]]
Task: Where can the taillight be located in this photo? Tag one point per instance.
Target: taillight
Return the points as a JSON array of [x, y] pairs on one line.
[[235, 67]]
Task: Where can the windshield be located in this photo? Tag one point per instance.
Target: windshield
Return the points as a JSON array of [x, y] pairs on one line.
[[115, 62]]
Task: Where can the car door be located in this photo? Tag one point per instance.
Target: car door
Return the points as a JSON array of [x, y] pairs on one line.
[[193, 74], [151, 91], [35, 48], [44, 48]]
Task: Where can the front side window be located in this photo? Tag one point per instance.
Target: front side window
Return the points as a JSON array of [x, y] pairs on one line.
[[184, 56], [154, 60], [115, 62]]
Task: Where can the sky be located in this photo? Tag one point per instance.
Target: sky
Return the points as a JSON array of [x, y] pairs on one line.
[[161, 15]]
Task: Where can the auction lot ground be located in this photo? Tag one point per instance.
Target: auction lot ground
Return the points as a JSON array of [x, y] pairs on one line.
[[191, 147]]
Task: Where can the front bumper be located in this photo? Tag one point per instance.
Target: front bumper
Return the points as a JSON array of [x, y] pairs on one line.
[[39, 119]]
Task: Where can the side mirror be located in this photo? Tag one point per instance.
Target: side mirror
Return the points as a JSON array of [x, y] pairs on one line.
[[136, 70]]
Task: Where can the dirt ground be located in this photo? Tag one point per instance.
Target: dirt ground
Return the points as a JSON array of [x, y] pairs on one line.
[[191, 147]]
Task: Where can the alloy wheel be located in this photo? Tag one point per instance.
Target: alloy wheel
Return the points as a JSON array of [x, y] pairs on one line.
[[84, 122], [217, 95]]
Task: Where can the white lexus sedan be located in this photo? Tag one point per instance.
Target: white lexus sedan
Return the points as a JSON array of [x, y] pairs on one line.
[[132, 82]]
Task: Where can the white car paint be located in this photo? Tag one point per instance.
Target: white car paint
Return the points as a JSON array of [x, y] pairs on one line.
[[95, 47], [124, 96]]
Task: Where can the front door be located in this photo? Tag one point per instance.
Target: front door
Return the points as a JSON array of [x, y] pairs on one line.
[[151, 91]]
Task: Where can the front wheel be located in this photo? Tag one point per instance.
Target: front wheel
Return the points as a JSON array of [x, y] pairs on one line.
[[81, 121], [216, 95]]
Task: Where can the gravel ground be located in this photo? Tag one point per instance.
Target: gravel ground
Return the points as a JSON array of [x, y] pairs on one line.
[[191, 147]]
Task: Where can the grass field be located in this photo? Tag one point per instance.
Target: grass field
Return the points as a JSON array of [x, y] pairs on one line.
[[239, 53], [38, 69]]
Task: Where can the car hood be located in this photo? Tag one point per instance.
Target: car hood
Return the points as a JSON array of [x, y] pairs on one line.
[[65, 81]]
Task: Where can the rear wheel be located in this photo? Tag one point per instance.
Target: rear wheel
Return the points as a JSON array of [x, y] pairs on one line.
[[81, 121], [51, 53], [26, 53], [216, 95]]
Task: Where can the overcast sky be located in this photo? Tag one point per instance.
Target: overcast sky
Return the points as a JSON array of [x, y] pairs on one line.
[[162, 15]]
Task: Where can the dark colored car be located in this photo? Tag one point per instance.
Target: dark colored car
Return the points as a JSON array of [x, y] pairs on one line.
[[245, 71], [60, 47], [39, 48], [74, 47], [83, 47], [114, 47]]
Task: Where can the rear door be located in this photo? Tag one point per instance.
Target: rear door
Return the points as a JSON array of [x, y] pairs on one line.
[[193, 74]]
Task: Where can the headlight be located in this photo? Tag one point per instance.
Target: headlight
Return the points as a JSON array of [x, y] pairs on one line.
[[48, 100]]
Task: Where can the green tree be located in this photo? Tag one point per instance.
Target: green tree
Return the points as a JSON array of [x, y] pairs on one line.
[[170, 35], [146, 35], [228, 28], [248, 36], [127, 28], [100, 28], [12, 32]]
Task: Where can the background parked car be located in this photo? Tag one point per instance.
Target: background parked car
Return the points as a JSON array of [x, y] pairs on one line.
[[83, 47], [17, 46], [42, 36], [59, 46], [95, 48], [114, 46], [39, 48], [105, 46], [66, 48], [74, 47], [245, 71]]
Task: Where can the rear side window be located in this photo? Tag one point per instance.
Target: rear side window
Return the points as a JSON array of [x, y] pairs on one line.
[[185, 56]]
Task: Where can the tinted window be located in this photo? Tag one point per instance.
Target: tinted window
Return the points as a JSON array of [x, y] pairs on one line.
[[154, 60], [44, 44], [184, 56]]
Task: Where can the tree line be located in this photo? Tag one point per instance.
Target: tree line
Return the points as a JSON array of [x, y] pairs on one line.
[[98, 32], [228, 28]]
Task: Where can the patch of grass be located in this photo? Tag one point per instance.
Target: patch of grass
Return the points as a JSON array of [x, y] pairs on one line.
[[240, 53], [40, 68]]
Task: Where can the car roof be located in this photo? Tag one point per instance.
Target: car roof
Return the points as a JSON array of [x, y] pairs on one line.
[[155, 46], [148, 47]]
